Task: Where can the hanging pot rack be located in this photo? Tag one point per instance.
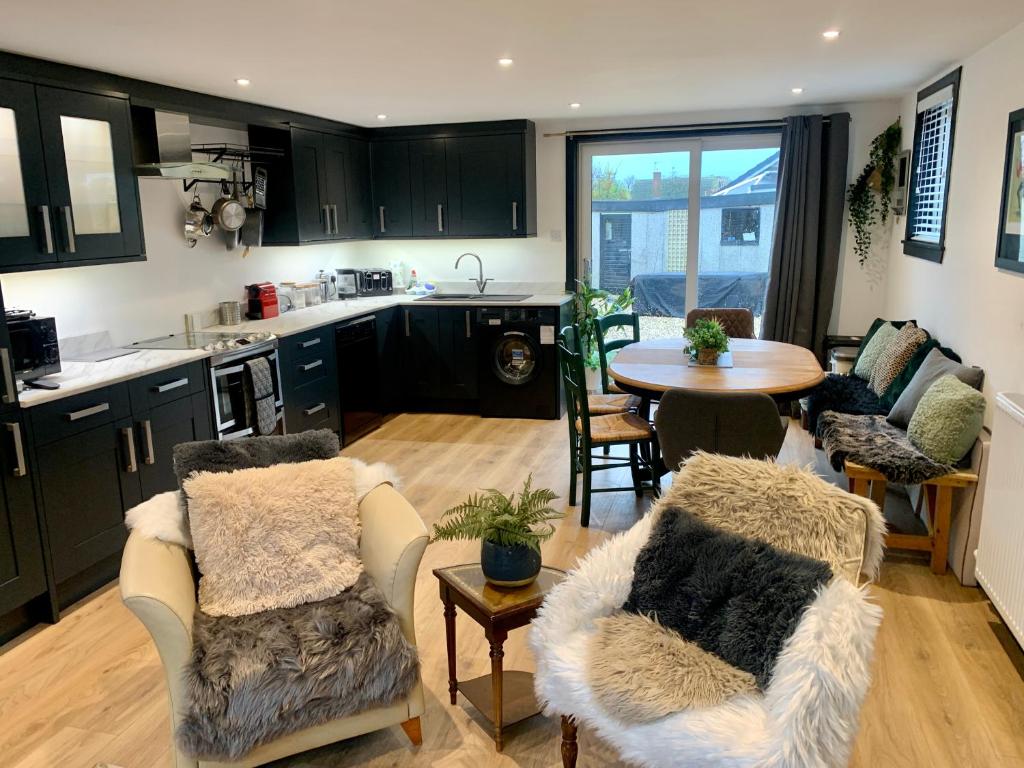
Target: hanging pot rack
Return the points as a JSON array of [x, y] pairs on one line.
[[235, 154]]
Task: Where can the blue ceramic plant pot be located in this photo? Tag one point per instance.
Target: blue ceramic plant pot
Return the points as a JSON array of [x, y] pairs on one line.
[[509, 566]]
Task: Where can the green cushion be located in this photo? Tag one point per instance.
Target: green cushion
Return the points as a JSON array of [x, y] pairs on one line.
[[879, 342], [947, 420], [875, 325]]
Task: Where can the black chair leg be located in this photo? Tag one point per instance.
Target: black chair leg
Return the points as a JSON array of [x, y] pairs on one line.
[[573, 471], [587, 477], [634, 469]]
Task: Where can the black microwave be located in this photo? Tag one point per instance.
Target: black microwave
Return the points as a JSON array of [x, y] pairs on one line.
[[34, 350]]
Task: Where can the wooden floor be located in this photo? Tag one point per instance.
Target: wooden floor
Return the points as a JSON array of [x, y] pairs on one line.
[[948, 687]]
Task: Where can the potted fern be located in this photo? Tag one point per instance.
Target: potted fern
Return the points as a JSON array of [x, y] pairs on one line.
[[707, 341], [510, 531]]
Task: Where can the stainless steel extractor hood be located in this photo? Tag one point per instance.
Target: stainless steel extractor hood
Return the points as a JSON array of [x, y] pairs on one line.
[[163, 148]]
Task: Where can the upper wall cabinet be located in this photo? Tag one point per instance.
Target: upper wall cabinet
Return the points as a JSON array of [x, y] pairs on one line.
[[467, 180], [67, 192], [319, 190]]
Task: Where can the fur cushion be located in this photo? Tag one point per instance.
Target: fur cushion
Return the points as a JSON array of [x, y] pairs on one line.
[[735, 597], [640, 671], [845, 394], [274, 537], [252, 679], [948, 420], [786, 506], [895, 357]]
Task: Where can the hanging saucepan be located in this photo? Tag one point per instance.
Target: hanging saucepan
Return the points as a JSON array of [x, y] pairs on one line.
[[228, 212], [198, 221]]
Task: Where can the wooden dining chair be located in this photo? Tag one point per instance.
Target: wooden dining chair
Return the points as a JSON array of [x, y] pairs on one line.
[[737, 322], [588, 431], [602, 326]]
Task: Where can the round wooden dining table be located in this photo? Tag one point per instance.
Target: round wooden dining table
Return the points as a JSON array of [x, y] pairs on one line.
[[650, 367]]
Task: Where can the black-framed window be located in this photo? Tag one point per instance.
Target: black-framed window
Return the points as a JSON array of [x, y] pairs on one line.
[[934, 129], [741, 226]]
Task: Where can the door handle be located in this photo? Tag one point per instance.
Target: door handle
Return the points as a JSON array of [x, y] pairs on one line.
[[147, 429], [10, 392], [44, 213], [327, 219], [20, 469], [515, 215], [176, 384], [69, 227], [440, 217], [315, 409], [86, 412], [310, 343], [311, 366], [407, 322], [380, 214], [469, 335], [129, 448]]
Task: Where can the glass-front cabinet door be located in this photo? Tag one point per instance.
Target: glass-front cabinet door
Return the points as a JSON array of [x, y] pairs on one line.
[[26, 227], [87, 145]]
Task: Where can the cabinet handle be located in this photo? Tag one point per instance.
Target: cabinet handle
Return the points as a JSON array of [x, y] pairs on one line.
[[315, 409], [407, 322], [20, 470], [311, 366], [10, 392], [150, 456], [129, 447], [310, 343], [327, 219], [469, 335], [176, 384], [380, 214], [69, 227], [334, 218], [440, 217], [86, 412], [515, 216], [44, 212]]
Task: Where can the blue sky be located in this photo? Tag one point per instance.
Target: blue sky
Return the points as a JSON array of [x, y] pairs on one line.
[[721, 162]]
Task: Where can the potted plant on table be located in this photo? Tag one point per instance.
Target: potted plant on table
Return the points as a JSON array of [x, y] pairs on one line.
[[510, 531], [707, 341]]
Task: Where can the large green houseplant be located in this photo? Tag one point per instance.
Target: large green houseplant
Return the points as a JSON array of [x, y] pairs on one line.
[[870, 196], [589, 305], [510, 531]]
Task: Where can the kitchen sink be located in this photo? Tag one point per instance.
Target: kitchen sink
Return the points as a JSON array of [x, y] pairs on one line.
[[481, 297]]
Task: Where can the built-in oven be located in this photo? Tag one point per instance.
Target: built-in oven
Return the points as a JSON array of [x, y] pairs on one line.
[[234, 413]]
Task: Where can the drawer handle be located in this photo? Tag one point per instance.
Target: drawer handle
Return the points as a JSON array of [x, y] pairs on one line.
[[150, 456], [87, 412], [310, 343], [315, 409], [176, 384], [311, 366], [20, 470], [129, 447]]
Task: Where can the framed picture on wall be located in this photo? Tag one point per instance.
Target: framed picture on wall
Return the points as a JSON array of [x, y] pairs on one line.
[[1010, 246]]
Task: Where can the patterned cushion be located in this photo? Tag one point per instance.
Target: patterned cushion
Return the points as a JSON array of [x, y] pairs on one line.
[[895, 357], [603, 404], [872, 349]]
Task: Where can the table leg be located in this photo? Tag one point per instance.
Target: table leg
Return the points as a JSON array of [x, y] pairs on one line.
[[497, 655], [449, 635]]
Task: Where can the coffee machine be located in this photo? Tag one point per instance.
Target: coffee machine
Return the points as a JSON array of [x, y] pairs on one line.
[[262, 301]]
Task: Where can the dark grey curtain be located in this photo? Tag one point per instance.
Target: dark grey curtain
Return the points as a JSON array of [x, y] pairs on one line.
[[808, 230]]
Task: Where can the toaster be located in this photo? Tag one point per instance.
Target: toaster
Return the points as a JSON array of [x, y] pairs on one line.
[[374, 282]]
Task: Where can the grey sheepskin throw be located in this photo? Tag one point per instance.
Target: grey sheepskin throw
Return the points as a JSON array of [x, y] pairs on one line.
[[873, 442], [845, 394], [227, 456], [639, 671], [274, 537], [737, 598], [256, 678]]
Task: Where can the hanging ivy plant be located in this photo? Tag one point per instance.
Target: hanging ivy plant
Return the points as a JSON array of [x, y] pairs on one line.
[[870, 196]]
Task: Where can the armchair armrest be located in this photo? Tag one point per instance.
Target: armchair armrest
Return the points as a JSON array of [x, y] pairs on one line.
[[391, 546]]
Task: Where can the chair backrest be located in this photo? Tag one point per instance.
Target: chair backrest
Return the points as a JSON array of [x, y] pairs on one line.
[[737, 322], [574, 379], [601, 327], [728, 423]]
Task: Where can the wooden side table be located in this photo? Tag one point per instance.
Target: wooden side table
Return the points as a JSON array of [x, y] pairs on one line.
[[503, 697]]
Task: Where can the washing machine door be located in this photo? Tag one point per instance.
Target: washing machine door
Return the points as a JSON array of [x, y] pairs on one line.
[[515, 359]]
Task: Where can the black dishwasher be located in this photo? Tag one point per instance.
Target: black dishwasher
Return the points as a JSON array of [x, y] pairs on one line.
[[358, 378]]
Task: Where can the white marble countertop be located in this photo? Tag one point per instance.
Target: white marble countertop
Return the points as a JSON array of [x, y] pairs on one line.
[[76, 378]]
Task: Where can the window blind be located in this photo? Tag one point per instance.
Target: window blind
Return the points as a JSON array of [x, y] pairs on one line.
[[930, 174]]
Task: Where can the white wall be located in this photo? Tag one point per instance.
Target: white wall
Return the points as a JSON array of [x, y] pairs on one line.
[[966, 302], [138, 300]]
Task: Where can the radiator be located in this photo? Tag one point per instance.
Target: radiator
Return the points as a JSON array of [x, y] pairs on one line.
[[1000, 556]]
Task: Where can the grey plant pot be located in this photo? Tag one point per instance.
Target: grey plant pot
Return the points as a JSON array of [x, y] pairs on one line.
[[509, 566]]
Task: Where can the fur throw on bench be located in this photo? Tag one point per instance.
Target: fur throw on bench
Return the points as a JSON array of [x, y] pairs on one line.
[[842, 393]]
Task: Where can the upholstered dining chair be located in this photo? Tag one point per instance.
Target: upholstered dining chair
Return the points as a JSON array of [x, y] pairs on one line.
[[158, 586], [807, 714], [602, 326], [729, 423], [737, 322], [588, 431]]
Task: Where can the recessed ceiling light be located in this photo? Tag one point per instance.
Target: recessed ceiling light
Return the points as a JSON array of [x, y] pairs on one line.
[[505, 62], [830, 34], [243, 81], [574, 105], [382, 117], [797, 91]]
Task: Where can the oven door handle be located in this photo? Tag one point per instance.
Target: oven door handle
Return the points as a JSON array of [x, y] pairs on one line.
[[221, 372]]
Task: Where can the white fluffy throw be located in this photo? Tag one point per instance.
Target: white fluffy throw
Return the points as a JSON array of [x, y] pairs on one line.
[[165, 516]]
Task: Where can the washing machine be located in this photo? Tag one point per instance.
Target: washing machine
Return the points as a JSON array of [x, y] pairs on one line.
[[518, 375]]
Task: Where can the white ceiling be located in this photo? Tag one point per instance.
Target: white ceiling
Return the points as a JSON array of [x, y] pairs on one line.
[[435, 60]]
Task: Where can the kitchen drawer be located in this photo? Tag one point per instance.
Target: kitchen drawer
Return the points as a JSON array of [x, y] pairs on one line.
[[308, 368], [167, 386], [313, 406], [315, 343], [78, 413]]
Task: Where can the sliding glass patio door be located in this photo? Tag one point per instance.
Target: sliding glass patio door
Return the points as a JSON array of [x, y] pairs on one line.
[[682, 222]]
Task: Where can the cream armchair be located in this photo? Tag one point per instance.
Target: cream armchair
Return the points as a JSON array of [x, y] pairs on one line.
[[157, 585]]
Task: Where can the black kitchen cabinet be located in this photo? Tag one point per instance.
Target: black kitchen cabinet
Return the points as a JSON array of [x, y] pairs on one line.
[[389, 358], [392, 193], [439, 360], [486, 186], [76, 196], [358, 190], [429, 188], [458, 353], [309, 378], [159, 429], [421, 354], [309, 169]]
